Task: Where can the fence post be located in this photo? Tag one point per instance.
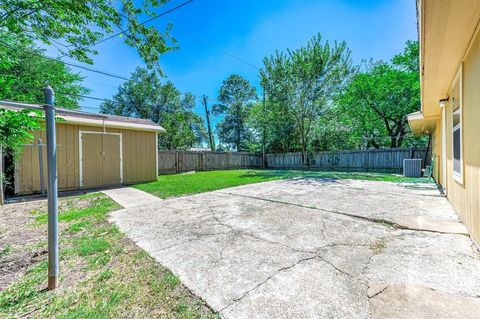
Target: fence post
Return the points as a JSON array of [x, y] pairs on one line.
[[177, 162], [368, 161], [202, 161]]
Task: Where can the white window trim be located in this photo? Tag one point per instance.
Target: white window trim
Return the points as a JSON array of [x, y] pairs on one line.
[[458, 176], [80, 153]]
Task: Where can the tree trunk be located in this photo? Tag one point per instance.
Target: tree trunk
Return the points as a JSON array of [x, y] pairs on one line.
[[304, 148], [393, 141], [238, 129]]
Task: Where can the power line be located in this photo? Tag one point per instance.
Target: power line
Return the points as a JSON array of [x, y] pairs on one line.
[[145, 22], [223, 51], [111, 101], [240, 59], [91, 70], [105, 73], [106, 39], [69, 64]]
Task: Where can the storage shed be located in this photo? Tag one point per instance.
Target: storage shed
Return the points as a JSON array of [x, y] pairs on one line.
[[93, 150]]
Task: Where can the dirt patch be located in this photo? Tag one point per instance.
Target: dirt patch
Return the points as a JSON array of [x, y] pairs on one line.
[[22, 241]]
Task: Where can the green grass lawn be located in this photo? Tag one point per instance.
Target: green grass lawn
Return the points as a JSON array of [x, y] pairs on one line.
[[184, 184], [103, 274]]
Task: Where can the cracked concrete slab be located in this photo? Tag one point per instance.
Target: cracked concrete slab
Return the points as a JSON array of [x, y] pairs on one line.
[[312, 289], [418, 206], [443, 262], [284, 249], [410, 301]]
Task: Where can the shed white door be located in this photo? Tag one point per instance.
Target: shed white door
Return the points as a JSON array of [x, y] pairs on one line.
[[100, 159]]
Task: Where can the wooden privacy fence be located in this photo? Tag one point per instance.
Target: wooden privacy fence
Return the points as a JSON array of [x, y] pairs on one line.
[[375, 160], [185, 161]]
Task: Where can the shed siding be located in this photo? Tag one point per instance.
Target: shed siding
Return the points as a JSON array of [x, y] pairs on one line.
[[139, 153], [465, 197]]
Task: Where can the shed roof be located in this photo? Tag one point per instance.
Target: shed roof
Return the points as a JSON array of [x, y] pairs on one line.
[[93, 119]]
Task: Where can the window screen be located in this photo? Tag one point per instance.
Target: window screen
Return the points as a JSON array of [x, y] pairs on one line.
[[457, 127], [456, 151]]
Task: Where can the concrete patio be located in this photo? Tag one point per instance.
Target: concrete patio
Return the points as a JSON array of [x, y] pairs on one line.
[[315, 248]]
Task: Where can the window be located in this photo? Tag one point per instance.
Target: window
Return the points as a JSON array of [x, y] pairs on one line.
[[457, 127]]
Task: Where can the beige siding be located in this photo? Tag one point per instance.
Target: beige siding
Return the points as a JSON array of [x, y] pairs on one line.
[[139, 153], [437, 152], [466, 197]]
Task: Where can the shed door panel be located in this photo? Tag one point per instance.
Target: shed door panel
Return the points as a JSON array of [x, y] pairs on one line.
[[100, 159], [111, 159]]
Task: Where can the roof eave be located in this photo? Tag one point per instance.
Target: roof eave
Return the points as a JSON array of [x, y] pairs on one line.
[[421, 125]]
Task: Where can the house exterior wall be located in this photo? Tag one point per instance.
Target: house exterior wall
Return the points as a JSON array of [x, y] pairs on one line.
[[139, 151], [437, 153], [465, 196]]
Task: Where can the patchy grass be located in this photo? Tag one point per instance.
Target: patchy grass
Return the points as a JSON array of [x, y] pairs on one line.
[[184, 184], [5, 250], [74, 213], [378, 246], [102, 273]]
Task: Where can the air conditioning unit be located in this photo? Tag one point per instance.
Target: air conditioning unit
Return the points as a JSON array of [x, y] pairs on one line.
[[412, 167]]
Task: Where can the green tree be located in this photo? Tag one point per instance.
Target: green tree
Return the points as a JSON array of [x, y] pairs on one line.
[[301, 84], [75, 27], [377, 100], [237, 97], [140, 96], [144, 96], [16, 128], [24, 71]]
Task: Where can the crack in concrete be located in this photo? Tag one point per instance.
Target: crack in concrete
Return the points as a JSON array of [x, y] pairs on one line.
[[378, 292], [236, 300], [380, 221], [249, 234], [198, 236], [335, 267]]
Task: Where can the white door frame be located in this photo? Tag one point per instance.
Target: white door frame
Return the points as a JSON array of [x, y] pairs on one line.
[[80, 152]]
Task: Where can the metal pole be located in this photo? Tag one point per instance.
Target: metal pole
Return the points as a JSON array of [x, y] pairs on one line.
[[1, 177], [40, 163], [263, 131], [52, 189], [210, 136]]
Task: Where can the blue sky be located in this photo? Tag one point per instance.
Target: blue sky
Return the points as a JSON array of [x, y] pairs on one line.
[[209, 30]]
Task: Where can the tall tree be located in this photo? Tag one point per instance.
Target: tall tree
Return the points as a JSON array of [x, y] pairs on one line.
[[24, 70], [144, 96], [237, 96], [377, 100], [75, 27], [302, 83]]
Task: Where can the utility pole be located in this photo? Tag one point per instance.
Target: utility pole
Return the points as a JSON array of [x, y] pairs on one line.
[[210, 136], [1, 176], [263, 132], [52, 189]]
